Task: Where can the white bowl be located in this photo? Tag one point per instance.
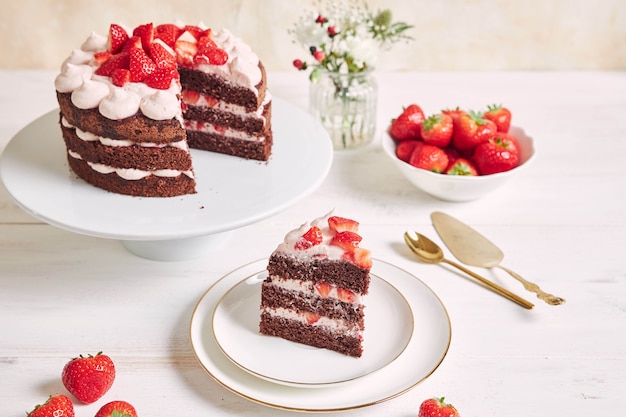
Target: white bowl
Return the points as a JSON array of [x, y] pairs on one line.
[[458, 187]]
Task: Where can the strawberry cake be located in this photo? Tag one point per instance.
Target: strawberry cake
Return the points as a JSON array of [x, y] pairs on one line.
[[317, 279], [132, 104]]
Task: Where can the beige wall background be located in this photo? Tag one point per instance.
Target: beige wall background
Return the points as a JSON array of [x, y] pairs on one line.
[[450, 35]]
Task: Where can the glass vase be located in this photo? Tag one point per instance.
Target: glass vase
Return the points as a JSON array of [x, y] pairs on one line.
[[346, 106]]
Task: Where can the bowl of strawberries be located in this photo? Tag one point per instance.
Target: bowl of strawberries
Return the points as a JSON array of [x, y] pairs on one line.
[[457, 155]]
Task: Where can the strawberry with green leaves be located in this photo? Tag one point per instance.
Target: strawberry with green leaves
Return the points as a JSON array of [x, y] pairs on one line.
[[499, 154], [463, 167], [89, 378], [429, 157], [117, 409], [499, 115], [56, 405], [436, 407], [437, 129], [472, 129], [408, 124]]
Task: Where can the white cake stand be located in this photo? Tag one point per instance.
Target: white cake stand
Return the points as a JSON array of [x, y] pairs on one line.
[[232, 192]]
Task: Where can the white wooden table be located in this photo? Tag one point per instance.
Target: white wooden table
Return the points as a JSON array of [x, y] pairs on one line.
[[561, 224]]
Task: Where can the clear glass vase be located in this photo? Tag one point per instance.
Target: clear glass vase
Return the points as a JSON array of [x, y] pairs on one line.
[[346, 106]]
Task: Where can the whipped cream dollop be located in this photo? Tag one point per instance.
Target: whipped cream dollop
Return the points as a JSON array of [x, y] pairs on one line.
[[323, 250]]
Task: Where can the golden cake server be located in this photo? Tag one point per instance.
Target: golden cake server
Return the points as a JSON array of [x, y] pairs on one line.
[[472, 248]]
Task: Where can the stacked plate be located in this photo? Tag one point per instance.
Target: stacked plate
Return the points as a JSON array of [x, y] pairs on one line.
[[282, 374]]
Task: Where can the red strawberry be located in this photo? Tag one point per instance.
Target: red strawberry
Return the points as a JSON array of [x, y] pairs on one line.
[[89, 378], [499, 154], [341, 224], [408, 124], [116, 409], [454, 113], [102, 57], [140, 65], [205, 42], [461, 166], [162, 55], [500, 115], [55, 406], [196, 31], [120, 76], [168, 33], [117, 38], [191, 97], [132, 42], [471, 129], [312, 237], [360, 257], [186, 48], [437, 129], [436, 407], [146, 33], [212, 56], [323, 289], [310, 318], [346, 240], [161, 78], [429, 157], [405, 148], [121, 60], [346, 295]]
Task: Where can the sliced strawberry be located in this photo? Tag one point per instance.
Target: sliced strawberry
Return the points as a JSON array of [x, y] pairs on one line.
[[360, 257], [120, 76], [312, 237], [323, 289], [186, 48], [101, 57], [196, 31], [342, 224], [117, 38], [212, 56], [120, 60], [132, 42], [205, 42], [346, 240], [311, 317], [168, 33], [146, 33], [140, 65], [346, 295], [162, 55], [191, 97], [161, 78]]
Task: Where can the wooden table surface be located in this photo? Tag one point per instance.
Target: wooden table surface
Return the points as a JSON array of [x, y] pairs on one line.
[[562, 224]]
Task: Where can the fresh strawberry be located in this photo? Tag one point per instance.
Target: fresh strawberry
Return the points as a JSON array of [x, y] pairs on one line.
[[212, 56], [461, 166], [437, 129], [454, 113], [162, 55], [89, 378], [168, 33], [360, 257], [191, 97], [310, 318], [117, 38], [140, 65], [101, 57], [341, 224], [499, 115], [405, 148], [408, 124], [132, 42], [346, 240], [311, 238], [146, 33], [472, 129], [161, 78], [120, 76], [499, 154], [121, 60], [346, 295], [323, 289], [436, 407], [205, 42], [55, 406], [116, 409], [429, 157], [196, 31], [186, 48]]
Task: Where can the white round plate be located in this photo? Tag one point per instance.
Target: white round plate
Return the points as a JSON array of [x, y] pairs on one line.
[[388, 330], [418, 360], [231, 192]]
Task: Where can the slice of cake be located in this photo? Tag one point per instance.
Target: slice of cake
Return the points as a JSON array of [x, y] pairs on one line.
[[122, 114], [317, 279]]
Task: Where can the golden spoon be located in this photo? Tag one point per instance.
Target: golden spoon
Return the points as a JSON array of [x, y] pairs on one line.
[[428, 251]]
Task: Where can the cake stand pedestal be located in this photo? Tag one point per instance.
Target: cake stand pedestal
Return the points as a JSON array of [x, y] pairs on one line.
[[177, 249]]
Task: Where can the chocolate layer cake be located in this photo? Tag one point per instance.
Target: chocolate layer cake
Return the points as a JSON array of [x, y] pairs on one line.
[[316, 282]]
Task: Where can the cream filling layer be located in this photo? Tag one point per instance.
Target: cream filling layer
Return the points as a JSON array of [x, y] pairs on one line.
[[333, 326], [308, 288], [210, 128]]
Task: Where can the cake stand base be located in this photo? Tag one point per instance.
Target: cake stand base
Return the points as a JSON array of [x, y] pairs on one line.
[[176, 249]]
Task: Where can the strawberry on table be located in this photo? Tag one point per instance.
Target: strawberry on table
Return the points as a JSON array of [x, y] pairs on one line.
[[408, 124], [55, 406], [500, 115], [499, 154], [89, 378], [437, 129], [472, 129], [117, 409], [429, 157], [461, 166], [436, 407]]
